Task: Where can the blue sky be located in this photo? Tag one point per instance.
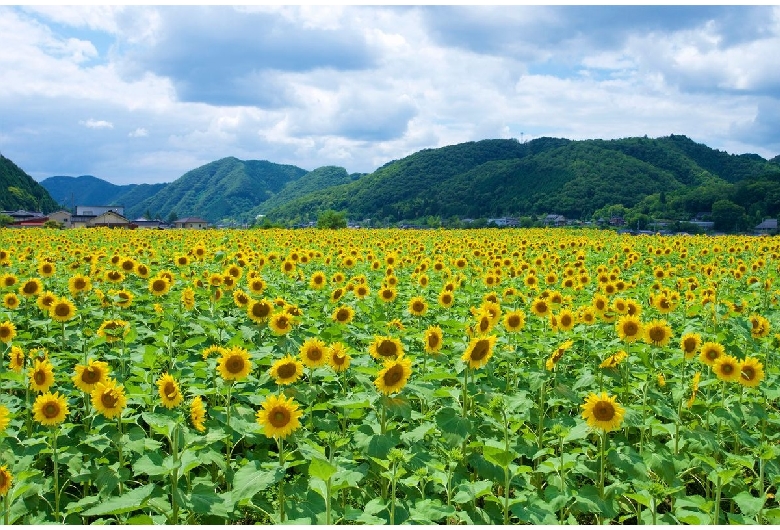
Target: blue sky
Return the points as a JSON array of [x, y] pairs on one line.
[[142, 94]]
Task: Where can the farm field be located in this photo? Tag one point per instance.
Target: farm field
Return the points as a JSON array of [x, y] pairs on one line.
[[388, 377]]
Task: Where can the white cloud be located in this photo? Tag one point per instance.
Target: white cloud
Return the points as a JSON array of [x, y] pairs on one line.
[[97, 124], [140, 132]]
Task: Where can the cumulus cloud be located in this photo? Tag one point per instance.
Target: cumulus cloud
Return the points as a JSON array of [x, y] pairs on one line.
[[361, 85], [96, 124]]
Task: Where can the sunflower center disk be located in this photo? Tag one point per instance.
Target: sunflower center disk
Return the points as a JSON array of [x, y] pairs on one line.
[[51, 410], [279, 417], [235, 365], [315, 354], [287, 370], [39, 377], [386, 348], [604, 411], [480, 350], [108, 400], [393, 375], [90, 376]]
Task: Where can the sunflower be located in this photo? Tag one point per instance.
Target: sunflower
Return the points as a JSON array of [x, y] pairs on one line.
[[62, 310], [281, 323], [7, 331], [11, 301], [603, 412], [198, 413], [566, 320], [759, 326], [87, 377], [484, 323], [212, 349], [727, 368], [259, 311], [361, 291], [279, 416], [109, 399], [50, 409], [256, 285], [343, 314], [169, 391], [6, 480], [182, 260], [5, 418], [658, 333], [629, 328], [710, 351], [45, 300], [514, 321], [394, 375], [314, 353], [387, 294], [114, 276], [188, 298], [557, 355], [385, 348], [433, 339], [318, 280], [613, 360], [540, 307], [446, 299], [633, 308], [159, 286], [417, 306], [479, 351], [287, 370], [240, 298], [46, 269], [16, 359], [338, 357], [113, 330], [689, 344], [30, 288], [751, 372], [234, 364], [41, 376]]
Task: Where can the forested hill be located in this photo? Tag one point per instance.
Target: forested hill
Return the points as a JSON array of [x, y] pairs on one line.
[[89, 190], [494, 178], [19, 191]]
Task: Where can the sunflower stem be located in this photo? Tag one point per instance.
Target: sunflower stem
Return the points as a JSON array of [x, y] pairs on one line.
[[6, 508], [119, 448], [280, 443], [175, 474], [229, 437], [55, 458], [601, 462], [384, 417]]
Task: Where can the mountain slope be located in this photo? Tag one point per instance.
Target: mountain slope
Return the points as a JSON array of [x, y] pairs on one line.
[[19, 191], [89, 190], [226, 188], [504, 177]]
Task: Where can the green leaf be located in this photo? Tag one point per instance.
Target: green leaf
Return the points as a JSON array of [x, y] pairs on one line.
[[153, 465], [498, 455], [251, 479], [204, 499], [748, 504], [467, 492], [321, 469], [430, 511], [194, 341], [131, 501], [453, 426]]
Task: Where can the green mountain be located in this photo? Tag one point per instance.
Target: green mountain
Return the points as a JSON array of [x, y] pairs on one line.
[[19, 191], [494, 178], [226, 188], [89, 190]]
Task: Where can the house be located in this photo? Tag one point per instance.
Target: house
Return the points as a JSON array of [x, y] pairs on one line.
[[109, 219], [62, 216], [34, 222], [554, 220], [22, 215], [504, 221], [98, 210], [767, 226], [142, 223], [190, 222]]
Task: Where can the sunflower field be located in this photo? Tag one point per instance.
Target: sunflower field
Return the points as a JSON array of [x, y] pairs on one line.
[[388, 377]]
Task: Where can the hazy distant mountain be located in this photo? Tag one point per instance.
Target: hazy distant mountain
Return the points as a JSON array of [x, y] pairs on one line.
[[89, 190]]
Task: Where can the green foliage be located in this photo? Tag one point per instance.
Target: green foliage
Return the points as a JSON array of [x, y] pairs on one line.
[[332, 219], [86, 189], [18, 190], [5, 220], [728, 216]]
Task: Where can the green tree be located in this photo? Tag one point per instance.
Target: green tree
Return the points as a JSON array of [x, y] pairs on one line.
[[5, 220], [728, 216], [332, 219]]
